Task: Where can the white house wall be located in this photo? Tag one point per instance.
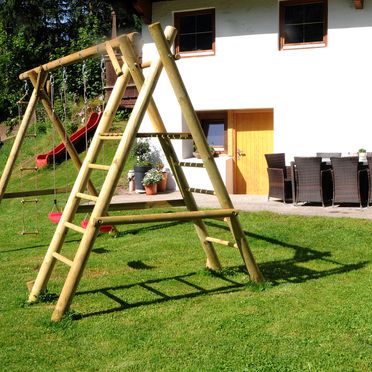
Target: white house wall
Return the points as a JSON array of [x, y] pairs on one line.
[[321, 97]]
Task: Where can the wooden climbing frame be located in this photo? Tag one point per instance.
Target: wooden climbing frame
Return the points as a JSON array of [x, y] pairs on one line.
[[145, 103]]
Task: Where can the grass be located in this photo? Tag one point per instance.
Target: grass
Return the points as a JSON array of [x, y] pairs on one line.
[[146, 303]]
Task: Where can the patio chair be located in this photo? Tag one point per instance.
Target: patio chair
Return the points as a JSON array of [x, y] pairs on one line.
[[309, 180], [369, 178], [280, 183], [328, 155], [346, 175]]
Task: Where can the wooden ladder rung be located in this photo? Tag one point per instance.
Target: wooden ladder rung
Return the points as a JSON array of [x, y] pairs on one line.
[[75, 227], [99, 166], [111, 136], [81, 195], [28, 169], [201, 191], [63, 259], [170, 135], [23, 201], [190, 164], [220, 241], [36, 232], [161, 217]]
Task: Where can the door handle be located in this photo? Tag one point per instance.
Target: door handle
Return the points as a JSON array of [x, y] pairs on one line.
[[239, 153]]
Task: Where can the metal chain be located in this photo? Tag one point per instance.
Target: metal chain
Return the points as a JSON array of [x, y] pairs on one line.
[[84, 72]]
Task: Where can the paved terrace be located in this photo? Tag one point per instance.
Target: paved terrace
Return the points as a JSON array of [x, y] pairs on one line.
[[254, 203]]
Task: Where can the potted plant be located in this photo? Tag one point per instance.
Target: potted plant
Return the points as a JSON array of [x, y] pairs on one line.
[[142, 151], [151, 179], [162, 185]]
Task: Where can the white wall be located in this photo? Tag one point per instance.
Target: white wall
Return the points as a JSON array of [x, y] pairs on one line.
[[322, 97]]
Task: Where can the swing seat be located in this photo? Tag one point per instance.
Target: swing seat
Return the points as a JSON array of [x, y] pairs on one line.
[[103, 228], [54, 217]]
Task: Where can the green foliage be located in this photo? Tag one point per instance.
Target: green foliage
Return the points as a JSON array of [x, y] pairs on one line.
[[142, 151], [33, 32], [152, 176], [122, 115]]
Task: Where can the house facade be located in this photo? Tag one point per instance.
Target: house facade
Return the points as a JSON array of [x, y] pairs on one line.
[[268, 76]]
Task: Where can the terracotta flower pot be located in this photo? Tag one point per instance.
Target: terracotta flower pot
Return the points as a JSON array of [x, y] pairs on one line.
[[151, 189], [162, 185]]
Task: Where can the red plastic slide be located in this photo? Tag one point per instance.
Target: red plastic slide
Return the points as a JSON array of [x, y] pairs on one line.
[[77, 138]]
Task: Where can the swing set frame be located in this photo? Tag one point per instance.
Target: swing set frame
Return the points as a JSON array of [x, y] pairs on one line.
[[128, 46], [38, 78]]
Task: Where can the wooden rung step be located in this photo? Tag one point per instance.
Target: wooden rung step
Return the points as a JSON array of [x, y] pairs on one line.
[[75, 227], [201, 191], [23, 201], [190, 164], [220, 241], [170, 135], [111, 136], [162, 217], [28, 169], [81, 195], [63, 259], [31, 135], [99, 166], [36, 232]]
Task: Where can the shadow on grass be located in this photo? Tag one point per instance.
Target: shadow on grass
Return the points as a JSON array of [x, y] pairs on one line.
[[160, 296], [290, 270], [148, 228], [35, 246]]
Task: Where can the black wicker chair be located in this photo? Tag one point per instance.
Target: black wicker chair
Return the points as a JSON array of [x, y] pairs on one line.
[[346, 175], [328, 155], [280, 183], [309, 180], [369, 178]]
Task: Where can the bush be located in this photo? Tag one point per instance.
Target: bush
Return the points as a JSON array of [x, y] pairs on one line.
[[152, 176]]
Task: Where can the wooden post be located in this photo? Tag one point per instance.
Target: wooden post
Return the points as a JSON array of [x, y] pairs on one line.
[[5, 177], [200, 141], [72, 203], [158, 125], [110, 182]]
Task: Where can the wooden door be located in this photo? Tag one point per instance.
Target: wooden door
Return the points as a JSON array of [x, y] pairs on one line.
[[254, 138]]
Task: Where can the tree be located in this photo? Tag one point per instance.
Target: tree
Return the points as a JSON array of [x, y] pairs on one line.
[[33, 32]]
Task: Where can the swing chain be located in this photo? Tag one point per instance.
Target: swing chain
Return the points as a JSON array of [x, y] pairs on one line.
[[84, 73], [103, 79], [64, 92], [51, 79], [26, 88]]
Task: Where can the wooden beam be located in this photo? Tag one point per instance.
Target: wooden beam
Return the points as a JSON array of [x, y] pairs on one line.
[[359, 4], [19, 194], [162, 217], [93, 51], [86, 208]]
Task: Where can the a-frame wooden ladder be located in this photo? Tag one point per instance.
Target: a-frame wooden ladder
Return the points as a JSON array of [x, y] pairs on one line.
[[99, 213]]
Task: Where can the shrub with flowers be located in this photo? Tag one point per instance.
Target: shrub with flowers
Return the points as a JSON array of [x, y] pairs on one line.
[[152, 176]]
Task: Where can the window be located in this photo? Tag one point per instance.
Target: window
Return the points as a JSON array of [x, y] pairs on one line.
[[302, 24], [214, 125], [196, 32]]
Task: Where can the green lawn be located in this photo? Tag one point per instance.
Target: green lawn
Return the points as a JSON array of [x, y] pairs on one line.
[[146, 303]]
